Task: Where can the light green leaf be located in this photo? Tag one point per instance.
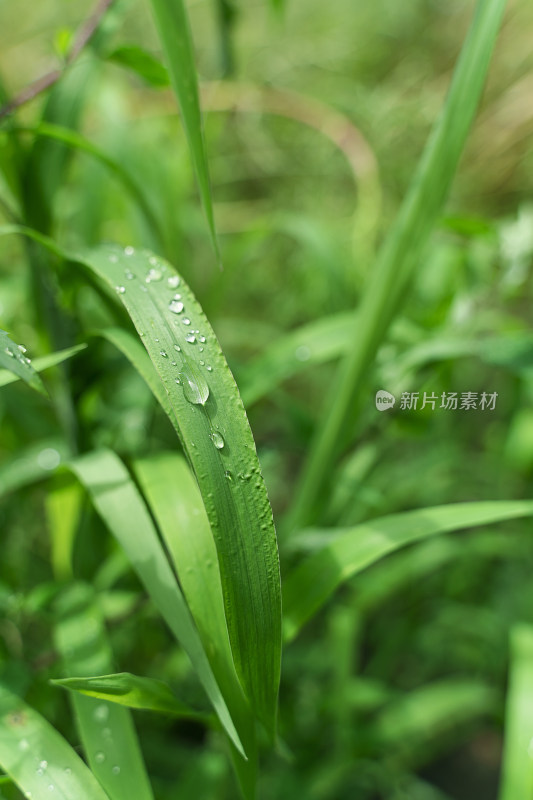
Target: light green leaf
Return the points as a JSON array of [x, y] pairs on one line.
[[107, 731], [351, 550], [122, 509], [13, 360], [36, 757], [132, 691], [517, 770], [173, 28], [176, 503], [43, 362]]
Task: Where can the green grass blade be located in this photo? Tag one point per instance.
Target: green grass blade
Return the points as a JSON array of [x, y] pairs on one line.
[[36, 757], [32, 464], [176, 503], [399, 256], [122, 509], [311, 584], [142, 63], [218, 442], [131, 691], [517, 770], [107, 731], [14, 361], [216, 437], [42, 363], [173, 27]]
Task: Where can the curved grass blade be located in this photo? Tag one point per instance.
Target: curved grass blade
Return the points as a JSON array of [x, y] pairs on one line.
[[132, 691], [173, 28], [42, 363], [107, 731], [310, 585], [142, 63], [399, 257], [36, 757], [176, 503], [216, 437], [13, 360], [122, 509], [218, 442], [517, 770]]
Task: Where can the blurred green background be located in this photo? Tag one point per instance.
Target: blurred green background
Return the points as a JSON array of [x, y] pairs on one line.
[[397, 689]]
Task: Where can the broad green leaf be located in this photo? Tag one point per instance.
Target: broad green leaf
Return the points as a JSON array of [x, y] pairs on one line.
[[43, 362], [176, 503], [399, 257], [351, 550], [107, 732], [216, 437], [122, 509], [37, 758], [132, 691], [141, 62], [218, 442], [517, 769], [173, 28], [13, 360]]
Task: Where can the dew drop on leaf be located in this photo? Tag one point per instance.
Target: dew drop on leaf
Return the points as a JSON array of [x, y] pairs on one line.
[[176, 306], [173, 281], [217, 440], [191, 338], [195, 388]]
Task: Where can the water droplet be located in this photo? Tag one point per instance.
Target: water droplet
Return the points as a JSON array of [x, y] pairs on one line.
[[228, 475], [177, 296], [174, 364], [176, 306], [39, 772], [177, 347], [209, 369], [162, 353], [153, 275], [113, 258], [50, 787], [129, 250], [173, 281], [9, 352], [101, 712], [186, 321], [116, 770], [302, 353], [195, 388], [152, 260], [191, 338], [120, 289], [22, 348], [202, 363], [201, 349], [99, 757], [129, 274], [43, 764], [201, 338], [217, 440], [156, 340]]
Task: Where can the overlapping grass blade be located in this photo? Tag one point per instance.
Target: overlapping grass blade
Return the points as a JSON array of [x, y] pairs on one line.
[[173, 28], [216, 437], [37, 758], [122, 509], [176, 503], [42, 363], [351, 550], [131, 691], [517, 769], [13, 360], [107, 731], [63, 508], [398, 258]]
